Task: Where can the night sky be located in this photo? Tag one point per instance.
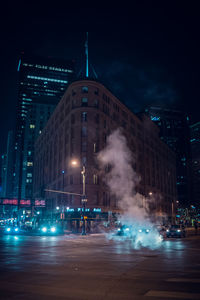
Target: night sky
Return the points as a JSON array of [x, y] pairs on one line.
[[147, 54]]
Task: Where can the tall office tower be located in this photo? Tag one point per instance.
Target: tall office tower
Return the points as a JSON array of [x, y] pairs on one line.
[[3, 175], [175, 132], [78, 129], [7, 168], [195, 150], [42, 82]]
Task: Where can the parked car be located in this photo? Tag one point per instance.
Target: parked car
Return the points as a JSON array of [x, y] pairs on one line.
[[175, 231]]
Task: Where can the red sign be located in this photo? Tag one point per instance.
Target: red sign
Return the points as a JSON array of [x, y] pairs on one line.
[[25, 202], [39, 202], [10, 201], [15, 202]]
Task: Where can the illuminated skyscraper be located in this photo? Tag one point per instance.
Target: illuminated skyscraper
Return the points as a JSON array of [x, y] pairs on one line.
[[42, 82], [195, 149], [175, 132]]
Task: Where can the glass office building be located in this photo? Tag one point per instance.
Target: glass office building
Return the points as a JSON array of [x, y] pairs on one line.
[[175, 132], [42, 82]]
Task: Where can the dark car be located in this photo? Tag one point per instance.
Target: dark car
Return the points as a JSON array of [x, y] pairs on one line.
[[144, 230], [50, 229], [175, 231], [124, 230]]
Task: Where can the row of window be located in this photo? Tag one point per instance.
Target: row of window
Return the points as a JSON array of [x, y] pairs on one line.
[[47, 79]]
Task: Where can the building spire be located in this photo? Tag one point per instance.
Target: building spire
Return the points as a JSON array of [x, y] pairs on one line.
[[86, 53]]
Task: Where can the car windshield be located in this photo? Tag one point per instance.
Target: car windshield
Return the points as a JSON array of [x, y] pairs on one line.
[[175, 226]]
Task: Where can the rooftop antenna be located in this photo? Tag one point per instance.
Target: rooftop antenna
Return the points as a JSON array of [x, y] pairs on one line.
[[86, 53]]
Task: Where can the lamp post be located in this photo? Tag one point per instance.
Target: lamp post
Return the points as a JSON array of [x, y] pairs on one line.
[[84, 199], [62, 206]]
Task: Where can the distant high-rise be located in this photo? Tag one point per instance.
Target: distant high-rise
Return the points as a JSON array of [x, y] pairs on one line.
[[195, 150], [7, 168], [175, 132], [42, 82], [3, 175]]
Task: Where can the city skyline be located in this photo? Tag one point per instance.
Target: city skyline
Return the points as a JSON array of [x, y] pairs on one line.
[[146, 56]]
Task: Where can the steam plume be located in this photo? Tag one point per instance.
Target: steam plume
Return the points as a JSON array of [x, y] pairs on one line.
[[122, 181]]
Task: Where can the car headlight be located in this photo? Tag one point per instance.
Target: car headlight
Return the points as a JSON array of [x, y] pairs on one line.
[[140, 230], [16, 229], [167, 230], [178, 230], [8, 229], [118, 229], [147, 230], [127, 229], [53, 229], [44, 229]]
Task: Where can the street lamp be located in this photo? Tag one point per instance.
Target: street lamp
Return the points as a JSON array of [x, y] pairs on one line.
[[83, 200], [62, 199], [63, 179]]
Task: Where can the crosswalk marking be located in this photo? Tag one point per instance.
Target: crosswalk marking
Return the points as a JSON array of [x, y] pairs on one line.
[[168, 294]]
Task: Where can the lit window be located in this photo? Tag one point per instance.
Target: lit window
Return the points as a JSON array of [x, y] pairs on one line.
[[95, 179], [46, 79], [32, 126], [29, 164], [28, 180], [84, 101], [84, 116], [155, 118], [84, 89], [29, 175]]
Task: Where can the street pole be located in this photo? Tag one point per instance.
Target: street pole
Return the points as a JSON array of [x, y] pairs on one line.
[[62, 206], [172, 212], [83, 201]]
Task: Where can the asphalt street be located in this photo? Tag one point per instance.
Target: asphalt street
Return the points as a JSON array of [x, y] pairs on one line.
[[95, 267]]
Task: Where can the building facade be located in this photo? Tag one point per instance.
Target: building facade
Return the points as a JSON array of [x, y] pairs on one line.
[[175, 132], [42, 82], [77, 130], [195, 151], [7, 168], [3, 175]]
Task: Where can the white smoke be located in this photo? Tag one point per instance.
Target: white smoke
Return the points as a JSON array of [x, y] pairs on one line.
[[122, 181]]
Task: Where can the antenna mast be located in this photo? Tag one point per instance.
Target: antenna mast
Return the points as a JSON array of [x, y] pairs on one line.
[[86, 53]]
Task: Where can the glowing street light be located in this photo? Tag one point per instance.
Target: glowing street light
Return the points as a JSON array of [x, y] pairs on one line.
[[74, 163], [84, 200]]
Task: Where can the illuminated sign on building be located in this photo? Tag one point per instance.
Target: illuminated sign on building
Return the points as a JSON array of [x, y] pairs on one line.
[[40, 203], [15, 202]]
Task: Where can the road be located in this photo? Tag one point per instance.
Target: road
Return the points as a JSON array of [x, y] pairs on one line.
[[94, 267]]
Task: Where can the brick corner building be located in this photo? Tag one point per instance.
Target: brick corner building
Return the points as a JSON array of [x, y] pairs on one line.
[[87, 113]]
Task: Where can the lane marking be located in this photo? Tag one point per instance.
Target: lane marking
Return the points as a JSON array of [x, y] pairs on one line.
[[195, 280], [176, 295]]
